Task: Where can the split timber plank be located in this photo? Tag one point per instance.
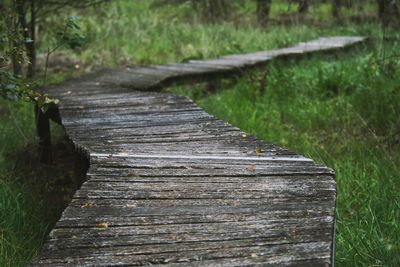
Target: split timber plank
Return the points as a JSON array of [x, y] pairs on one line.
[[170, 184]]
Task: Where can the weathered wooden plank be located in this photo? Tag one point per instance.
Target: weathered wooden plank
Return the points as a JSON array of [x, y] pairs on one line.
[[131, 203], [306, 204], [85, 221], [192, 170], [127, 236], [198, 251], [214, 68], [199, 128], [137, 177]]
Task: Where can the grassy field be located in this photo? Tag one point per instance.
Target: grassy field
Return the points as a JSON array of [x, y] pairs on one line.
[[340, 109]]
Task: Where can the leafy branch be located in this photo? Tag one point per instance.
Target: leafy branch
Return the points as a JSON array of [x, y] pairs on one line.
[[14, 87]]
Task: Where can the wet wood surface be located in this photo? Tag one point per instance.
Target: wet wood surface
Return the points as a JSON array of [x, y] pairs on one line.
[[170, 184]]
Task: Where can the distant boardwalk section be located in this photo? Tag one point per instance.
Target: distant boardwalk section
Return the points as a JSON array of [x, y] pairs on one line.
[[172, 185]]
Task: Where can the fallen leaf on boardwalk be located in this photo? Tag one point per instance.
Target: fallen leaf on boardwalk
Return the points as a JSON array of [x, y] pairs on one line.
[[87, 205], [251, 168], [102, 225], [258, 151], [131, 174], [253, 255], [244, 135], [194, 167]]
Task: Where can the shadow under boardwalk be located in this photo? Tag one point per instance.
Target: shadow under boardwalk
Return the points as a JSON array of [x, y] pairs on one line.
[[170, 184]]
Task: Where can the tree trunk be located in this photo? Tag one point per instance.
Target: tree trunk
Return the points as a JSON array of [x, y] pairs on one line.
[[12, 25], [303, 6], [388, 12], [212, 11], [336, 9], [28, 32], [15, 61], [42, 122], [30, 43], [263, 9], [349, 3]]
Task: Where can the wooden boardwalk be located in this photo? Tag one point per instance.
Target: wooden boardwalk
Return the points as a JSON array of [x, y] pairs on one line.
[[170, 184]]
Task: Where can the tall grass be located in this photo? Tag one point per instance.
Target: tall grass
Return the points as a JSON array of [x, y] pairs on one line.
[[139, 32], [22, 215], [21, 224]]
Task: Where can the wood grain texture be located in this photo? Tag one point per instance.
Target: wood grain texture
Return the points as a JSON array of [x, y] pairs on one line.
[[170, 184]]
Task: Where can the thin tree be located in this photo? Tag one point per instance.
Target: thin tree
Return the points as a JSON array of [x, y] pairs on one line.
[[303, 6], [336, 4], [212, 11], [263, 11], [388, 12]]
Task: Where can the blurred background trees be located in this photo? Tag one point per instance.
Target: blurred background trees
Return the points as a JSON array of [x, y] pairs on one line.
[[213, 11]]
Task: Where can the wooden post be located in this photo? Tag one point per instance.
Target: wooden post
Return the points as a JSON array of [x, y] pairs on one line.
[[43, 133]]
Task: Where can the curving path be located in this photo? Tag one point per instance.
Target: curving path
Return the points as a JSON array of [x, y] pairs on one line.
[[170, 184]]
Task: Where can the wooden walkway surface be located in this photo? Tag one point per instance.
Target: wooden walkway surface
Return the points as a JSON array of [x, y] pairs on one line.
[[170, 184]]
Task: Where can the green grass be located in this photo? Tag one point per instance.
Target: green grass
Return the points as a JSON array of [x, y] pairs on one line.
[[32, 195], [124, 33], [341, 110], [22, 223]]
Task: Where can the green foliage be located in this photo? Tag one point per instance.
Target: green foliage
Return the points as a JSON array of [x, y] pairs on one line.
[[14, 87], [21, 227], [9, 85], [70, 35]]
